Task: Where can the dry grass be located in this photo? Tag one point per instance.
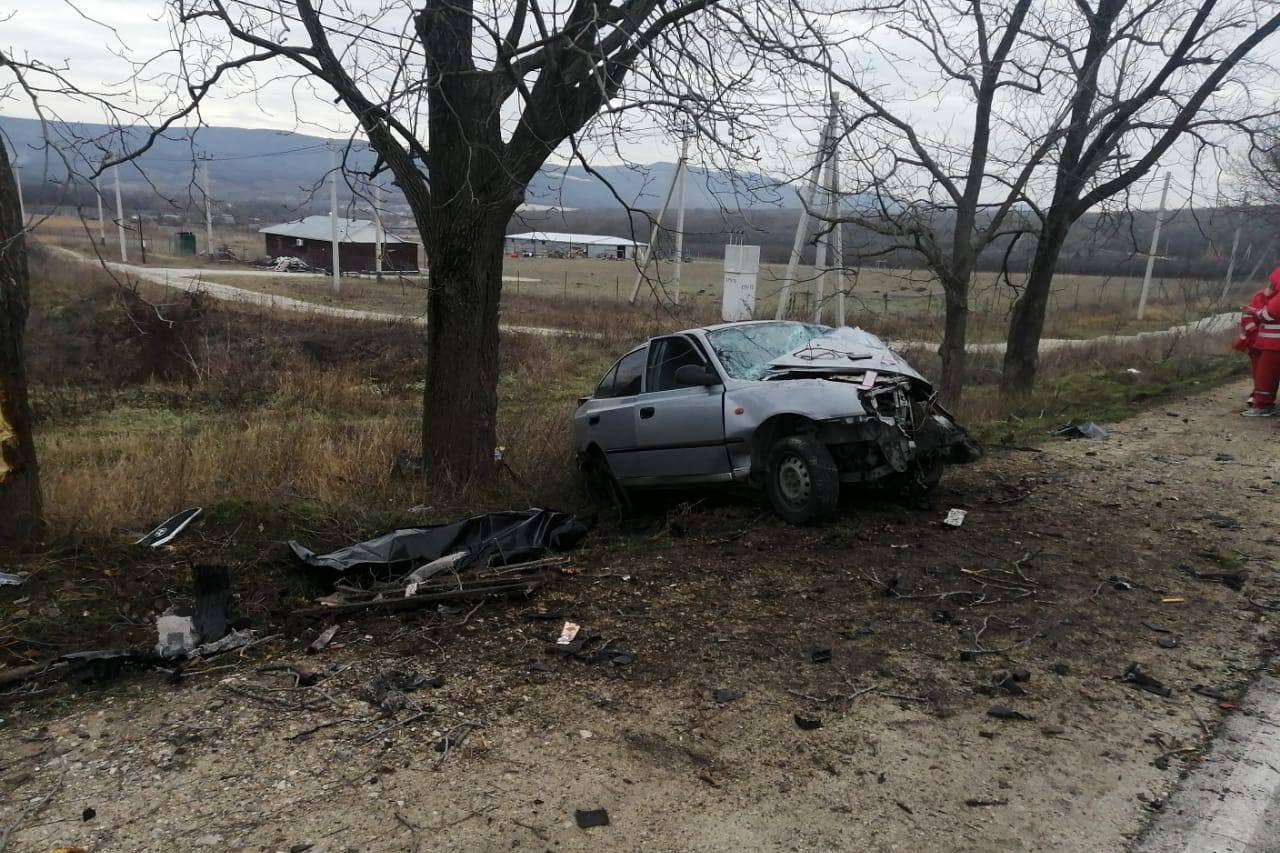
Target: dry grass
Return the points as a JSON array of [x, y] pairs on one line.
[[240, 410]]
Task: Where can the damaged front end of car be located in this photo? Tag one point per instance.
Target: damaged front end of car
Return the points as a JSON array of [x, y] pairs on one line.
[[879, 419]]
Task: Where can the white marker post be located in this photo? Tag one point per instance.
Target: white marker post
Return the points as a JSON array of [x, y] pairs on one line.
[[1155, 243], [333, 219]]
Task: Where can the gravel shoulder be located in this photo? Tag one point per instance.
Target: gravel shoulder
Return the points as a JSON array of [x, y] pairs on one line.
[[1073, 563]]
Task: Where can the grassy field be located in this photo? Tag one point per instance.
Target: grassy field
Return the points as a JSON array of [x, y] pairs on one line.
[[903, 304]]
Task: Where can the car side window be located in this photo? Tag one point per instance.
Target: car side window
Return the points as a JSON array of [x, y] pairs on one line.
[[630, 374], [605, 388], [666, 356]]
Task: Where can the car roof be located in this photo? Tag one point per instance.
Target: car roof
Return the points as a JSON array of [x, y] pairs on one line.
[[718, 326]]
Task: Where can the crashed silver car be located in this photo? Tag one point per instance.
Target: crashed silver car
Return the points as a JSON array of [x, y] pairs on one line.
[[796, 409]]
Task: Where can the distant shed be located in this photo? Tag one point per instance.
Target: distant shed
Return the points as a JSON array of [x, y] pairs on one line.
[[591, 245], [311, 240]]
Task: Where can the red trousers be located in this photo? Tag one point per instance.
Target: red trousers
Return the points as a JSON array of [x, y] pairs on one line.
[[1266, 377]]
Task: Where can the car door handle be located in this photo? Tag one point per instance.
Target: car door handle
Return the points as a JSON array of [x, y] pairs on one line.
[[594, 420], [646, 412]]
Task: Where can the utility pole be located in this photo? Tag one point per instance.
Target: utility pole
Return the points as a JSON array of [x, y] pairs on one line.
[[17, 179], [1235, 244], [333, 218], [124, 253], [208, 208], [102, 222], [1155, 242], [142, 241], [377, 231], [642, 258], [682, 175], [818, 291], [826, 141], [837, 234]]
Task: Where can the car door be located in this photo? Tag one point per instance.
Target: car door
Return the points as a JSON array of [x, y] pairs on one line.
[[679, 428], [611, 416]]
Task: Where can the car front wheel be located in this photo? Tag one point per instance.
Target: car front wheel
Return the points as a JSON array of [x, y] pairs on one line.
[[802, 480]]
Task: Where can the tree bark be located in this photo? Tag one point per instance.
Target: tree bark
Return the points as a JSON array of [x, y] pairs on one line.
[[1026, 321], [20, 510], [460, 403], [953, 349]]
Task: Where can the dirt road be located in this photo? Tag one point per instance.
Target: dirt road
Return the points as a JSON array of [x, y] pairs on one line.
[[1073, 564]]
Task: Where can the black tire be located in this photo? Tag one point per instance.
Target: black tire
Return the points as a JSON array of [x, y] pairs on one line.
[[802, 480], [602, 486]]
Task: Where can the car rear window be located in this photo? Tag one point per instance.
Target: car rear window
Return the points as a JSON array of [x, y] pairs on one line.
[[630, 374]]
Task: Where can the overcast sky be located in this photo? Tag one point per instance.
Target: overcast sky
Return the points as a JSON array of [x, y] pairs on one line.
[[95, 56]]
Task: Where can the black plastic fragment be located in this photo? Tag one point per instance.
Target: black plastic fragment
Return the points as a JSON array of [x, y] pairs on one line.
[[1000, 712], [723, 695], [1136, 676], [807, 724], [587, 818]]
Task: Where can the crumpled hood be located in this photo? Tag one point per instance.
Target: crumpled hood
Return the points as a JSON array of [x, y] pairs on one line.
[[847, 349]]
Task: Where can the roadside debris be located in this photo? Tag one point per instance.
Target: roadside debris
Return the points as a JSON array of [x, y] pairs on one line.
[[807, 724], [568, 633], [1211, 692], [724, 696], [1084, 429], [7, 579], [211, 586], [976, 802], [820, 654], [168, 529], [1137, 677], [498, 537], [1223, 522], [1001, 712], [176, 634], [955, 517], [322, 640], [387, 690], [1231, 580], [1167, 642], [588, 818]]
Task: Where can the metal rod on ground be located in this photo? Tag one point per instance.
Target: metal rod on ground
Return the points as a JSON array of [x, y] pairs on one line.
[[1231, 265], [377, 231], [208, 208], [333, 219], [642, 263], [1155, 242], [802, 227], [682, 176], [124, 252]]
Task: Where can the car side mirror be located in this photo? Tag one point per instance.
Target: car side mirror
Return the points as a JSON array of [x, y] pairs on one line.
[[696, 374]]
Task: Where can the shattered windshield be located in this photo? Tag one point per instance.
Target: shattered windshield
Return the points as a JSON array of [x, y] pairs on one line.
[[745, 351]]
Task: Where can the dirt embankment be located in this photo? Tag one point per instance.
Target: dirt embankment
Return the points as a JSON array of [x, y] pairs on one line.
[[1073, 564]]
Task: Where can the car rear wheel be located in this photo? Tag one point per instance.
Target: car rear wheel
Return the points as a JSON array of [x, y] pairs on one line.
[[602, 486], [802, 481]]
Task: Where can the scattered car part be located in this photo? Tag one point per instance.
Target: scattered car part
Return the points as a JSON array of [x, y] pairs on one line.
[[955, 517], [586, 819], [1084, 429], [1136, 676], [168, 529], [506, 537], [807, 724], [7, 579], [567, 633]]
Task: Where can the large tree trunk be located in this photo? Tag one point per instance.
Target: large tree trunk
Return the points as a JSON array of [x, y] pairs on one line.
[[19, 477], [953, 349], [459, 425], [1026, 323]]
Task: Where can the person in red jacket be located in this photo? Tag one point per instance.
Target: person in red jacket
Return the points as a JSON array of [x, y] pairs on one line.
[[1260, 337]]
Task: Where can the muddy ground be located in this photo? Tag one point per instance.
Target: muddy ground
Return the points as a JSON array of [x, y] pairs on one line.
[[1074, 562]]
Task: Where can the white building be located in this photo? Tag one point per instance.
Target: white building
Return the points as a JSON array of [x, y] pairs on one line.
[[544, 243]]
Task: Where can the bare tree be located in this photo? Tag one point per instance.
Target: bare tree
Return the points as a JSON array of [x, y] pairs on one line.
[[19, 474], [1136, 79], [463, 102], [944, 192]]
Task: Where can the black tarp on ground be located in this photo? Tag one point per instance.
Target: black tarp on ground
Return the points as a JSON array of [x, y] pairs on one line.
[[501, 537]]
